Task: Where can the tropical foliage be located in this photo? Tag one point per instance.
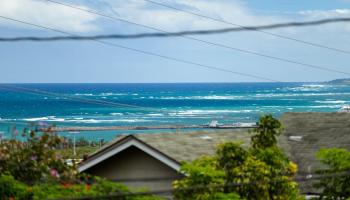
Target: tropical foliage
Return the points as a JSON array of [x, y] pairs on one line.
[[260, 172], [32, 169], [34, 160], [335, 182]]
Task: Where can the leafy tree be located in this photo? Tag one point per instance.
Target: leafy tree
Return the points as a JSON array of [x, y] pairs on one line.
[[230, 156], [265, 135], [202, 181], [281, 171], [335, 183], [260, 172]]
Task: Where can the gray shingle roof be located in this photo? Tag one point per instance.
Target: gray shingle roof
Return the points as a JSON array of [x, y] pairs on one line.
[[191, 145], [318, 130], [187, 146]]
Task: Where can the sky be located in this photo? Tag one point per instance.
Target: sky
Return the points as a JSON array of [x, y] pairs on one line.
[[93, 62]]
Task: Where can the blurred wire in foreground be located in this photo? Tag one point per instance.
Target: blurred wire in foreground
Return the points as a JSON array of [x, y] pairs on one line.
[[170, 191], [176, 34]]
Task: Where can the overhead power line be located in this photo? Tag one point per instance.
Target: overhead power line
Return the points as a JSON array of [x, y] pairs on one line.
[[175, 34], [262, 28], [79, 99], [38, 92], [74, 98], [150, 53], [329, 69], [300, 174], [200, 187]]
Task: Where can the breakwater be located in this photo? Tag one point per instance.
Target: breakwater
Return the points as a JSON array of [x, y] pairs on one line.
[[160, 127]]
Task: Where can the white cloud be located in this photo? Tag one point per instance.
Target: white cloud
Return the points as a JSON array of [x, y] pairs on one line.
[[325, 14], [172, 20], [143, 12], [47, 14]]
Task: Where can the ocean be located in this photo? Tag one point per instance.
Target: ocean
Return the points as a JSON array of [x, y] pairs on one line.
[[160, 104]]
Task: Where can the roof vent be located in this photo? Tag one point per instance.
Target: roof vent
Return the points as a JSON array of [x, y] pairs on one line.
[[205, 137], [295, 138]]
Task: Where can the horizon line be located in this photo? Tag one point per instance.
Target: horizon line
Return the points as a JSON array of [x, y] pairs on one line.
[[158, 82]]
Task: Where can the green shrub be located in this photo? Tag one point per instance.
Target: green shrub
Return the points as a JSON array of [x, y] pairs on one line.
[[336, 181], [261, 172], [35, 160], [10, 188], [100, 190]]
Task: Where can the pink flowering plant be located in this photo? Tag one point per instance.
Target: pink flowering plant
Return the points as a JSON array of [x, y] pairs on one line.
[[31, 169], [34, 159]]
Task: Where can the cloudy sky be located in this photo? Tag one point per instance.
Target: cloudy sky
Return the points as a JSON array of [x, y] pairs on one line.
[[88, 61]]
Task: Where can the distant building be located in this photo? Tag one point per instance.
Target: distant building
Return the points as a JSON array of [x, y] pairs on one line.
[[214, 123]]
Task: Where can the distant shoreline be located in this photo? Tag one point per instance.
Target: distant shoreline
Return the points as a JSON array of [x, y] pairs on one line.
[[124, 128]]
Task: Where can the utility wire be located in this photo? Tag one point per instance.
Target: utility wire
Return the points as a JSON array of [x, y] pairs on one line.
[[174, 34], [73, 98], [329, 69], [199, 187], [150, 53], [261, 28], [78, 99], [299, 174]]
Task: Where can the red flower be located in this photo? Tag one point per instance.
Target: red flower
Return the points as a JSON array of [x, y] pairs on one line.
[[87, 187], [66, 185]]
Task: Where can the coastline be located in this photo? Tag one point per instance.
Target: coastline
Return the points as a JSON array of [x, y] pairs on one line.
[[161, 127]]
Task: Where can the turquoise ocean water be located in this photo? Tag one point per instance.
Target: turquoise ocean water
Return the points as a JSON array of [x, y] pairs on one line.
[[157, 104]]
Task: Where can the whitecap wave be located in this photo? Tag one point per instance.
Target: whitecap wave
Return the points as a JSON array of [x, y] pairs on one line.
[[57, 120], [6, 120], [155, 115], [116, 114], [251, 96], [106, 94], [332, 102], [309, 87], [36, 119], [103, 94], [329, 106], [83, 94], [315, 85], [299, 94], [209, 97], [48, 119], [206, 112], [304, 107], [97, 121]]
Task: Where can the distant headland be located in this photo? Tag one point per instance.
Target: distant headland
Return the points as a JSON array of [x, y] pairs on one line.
[[343, 81]]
